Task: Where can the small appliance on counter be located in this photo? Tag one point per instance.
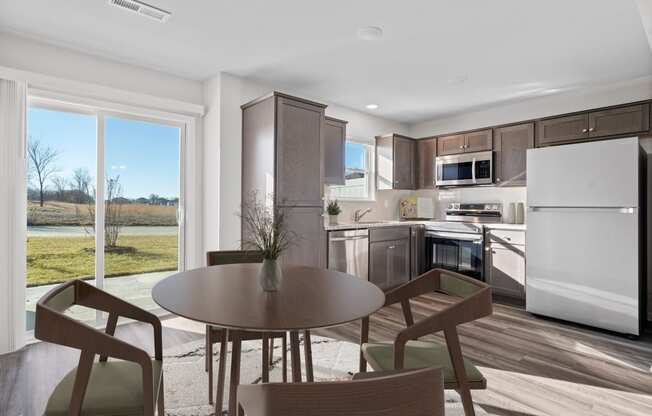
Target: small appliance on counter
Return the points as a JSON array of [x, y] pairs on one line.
[[413, 208]]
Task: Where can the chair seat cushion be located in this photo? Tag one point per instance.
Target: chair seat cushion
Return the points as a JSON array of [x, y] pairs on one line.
[[419, 354], [115, 388]]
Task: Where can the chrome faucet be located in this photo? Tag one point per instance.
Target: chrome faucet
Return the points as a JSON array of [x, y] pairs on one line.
[[357, 215]]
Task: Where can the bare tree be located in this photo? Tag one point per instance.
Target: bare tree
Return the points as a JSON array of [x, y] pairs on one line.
[[113, 212], [60, 185], [81, 182], [42, 160]]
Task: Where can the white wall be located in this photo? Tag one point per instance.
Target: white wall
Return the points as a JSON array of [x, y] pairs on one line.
[[223, 150], [29, 55], [568, 102]]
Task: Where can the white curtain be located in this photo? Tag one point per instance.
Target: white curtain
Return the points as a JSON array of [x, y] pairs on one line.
[[13, 211]]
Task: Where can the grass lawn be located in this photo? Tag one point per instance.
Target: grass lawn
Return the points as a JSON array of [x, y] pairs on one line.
[[58, 259]]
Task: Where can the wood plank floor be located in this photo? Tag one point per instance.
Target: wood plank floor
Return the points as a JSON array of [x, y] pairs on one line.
[[538, 366], [533, 366]]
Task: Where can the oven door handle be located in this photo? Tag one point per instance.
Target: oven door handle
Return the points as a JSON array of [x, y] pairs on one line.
[[475, 238]]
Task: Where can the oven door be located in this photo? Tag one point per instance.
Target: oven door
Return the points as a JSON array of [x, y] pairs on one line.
[[458, 252], [464, 169]]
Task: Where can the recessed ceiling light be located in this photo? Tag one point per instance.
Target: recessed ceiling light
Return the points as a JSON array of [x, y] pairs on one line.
[[371, 106], [370, 33]]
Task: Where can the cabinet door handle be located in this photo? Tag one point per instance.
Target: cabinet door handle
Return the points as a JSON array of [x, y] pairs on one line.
[[584, 130], [462, 147], [592, 129], [497, 179]]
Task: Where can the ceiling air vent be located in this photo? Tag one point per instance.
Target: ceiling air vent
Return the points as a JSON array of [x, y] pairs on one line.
[[142, 9]]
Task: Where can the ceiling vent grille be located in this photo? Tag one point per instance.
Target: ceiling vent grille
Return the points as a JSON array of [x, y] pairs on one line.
[[142, 9]]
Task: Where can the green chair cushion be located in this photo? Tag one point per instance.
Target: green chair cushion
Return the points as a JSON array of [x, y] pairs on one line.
[[115, 388], [457, 287], [419, 354]]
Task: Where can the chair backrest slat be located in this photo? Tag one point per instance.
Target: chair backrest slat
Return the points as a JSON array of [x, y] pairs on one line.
[[63, 299], [214, 258], [414, 393]]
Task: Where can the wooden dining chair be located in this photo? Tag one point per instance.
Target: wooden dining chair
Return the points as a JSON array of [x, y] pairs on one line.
[[220, 335], [131, 385], [413, 393], [471, 300]]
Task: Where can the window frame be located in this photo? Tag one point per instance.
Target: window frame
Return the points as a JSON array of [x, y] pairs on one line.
[[370, 162]]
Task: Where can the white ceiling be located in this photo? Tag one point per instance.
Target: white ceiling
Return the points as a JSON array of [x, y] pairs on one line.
[[505, 50]]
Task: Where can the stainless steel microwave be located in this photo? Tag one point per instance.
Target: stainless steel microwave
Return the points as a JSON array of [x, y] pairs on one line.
[[464, 169]]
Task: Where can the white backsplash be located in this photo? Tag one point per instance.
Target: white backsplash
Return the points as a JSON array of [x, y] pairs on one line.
[[385, 207]]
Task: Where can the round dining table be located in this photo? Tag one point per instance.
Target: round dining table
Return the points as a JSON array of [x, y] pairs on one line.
[[230, 297]]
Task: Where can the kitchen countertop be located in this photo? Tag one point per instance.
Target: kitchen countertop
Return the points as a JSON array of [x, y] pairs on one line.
[[394, 223]]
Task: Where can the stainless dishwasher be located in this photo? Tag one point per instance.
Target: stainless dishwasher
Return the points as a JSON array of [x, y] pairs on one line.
[[348, 252]]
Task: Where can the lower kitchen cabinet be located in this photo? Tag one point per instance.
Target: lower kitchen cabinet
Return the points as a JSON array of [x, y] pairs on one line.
[[309, 247], [389, 263], [505, 268], [389, 256]]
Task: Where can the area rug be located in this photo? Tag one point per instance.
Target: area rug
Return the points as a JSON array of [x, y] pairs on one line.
[[186, 382]]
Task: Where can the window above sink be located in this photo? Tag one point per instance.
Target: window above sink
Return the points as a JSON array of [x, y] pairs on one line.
[[359, 173]]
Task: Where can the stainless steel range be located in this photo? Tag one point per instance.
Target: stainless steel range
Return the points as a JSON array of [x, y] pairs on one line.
[[474, 212], [457, 244]]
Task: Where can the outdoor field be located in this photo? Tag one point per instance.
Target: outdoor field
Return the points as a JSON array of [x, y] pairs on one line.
[[66, 213], [61, 243]]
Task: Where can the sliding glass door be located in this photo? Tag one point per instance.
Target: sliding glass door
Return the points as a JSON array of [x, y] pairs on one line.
[[62, 155], [104, 202], [142, 194]]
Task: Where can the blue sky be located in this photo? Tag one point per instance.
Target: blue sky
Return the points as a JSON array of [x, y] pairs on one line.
[[354, 155], [145, 155]]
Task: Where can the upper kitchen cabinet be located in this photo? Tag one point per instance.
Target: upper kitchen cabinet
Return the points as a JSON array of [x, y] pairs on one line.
[[478, 141], [616, 121], [595, 124], [450, 145], [334, 148], [299, 169], [475, 141], [426, 153], [562, 129], [395, 162], [510, 145]]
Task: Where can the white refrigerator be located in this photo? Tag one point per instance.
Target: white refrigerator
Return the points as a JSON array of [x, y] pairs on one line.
[[583, 262]]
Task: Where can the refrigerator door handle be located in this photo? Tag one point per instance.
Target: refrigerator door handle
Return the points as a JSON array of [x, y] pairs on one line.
[[619, 210]]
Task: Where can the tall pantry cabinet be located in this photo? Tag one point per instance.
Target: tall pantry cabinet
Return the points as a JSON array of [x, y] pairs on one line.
[[282, 147]]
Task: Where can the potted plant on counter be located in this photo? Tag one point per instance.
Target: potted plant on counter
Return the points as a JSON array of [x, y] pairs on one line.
[[333, 209], [265, 230]]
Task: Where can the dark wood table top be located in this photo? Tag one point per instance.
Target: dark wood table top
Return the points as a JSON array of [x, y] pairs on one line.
[[230, 296]]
